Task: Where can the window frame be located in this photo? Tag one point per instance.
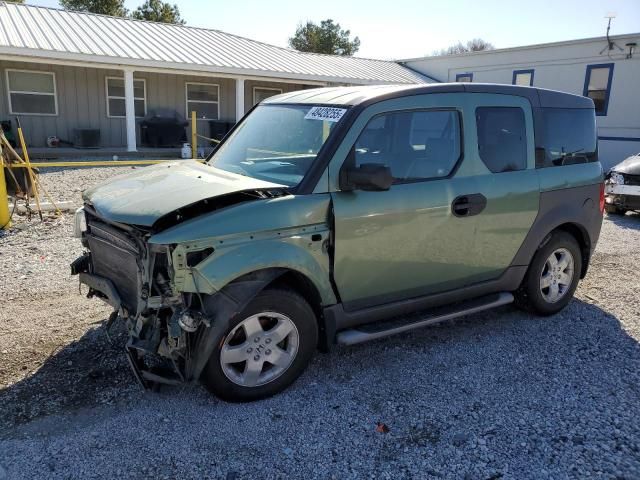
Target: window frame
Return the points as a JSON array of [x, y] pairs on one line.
[[470, 75], [272, 89], [115, 97], [525, 71], [187, 101], [526, 140], [351, 158], [587, 78], [54, 94]]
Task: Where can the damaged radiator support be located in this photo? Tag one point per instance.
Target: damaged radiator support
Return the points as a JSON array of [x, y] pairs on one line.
[[178, 328]]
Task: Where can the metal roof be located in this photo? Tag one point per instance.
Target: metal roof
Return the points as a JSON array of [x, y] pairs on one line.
[[40, 32], [538, 97]]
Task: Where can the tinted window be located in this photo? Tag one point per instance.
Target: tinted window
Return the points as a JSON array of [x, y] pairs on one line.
[[565, 137], [502, 138], [415, 145]]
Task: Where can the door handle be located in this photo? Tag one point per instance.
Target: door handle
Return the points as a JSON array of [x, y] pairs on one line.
[[468, 205]]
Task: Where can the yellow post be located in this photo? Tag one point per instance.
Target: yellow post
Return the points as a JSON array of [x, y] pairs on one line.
[[5, 218], [194, 135]]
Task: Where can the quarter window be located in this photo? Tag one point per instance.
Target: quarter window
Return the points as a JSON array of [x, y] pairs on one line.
[[116, 97], [416, 145], [32, 93], [502, 138], [204, 98], [565, 136], [262, 93], [597, 86], [523, 78]]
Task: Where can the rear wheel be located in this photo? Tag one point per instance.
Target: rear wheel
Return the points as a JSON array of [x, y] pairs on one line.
[[266, 347], [552, 277]]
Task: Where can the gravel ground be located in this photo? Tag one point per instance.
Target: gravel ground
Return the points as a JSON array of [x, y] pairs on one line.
[[501, 394]]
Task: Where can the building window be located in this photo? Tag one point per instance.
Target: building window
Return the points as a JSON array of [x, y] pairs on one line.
[[32, 93], [523, 78], [262, 93], [597, 85], [116, 98], [416, 145], [502, 138], [204, 98], [464, 77]]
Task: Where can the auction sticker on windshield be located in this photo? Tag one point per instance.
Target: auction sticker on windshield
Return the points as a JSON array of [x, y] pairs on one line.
[[330, 114]]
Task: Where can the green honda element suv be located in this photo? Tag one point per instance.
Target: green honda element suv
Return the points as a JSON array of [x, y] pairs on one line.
[[340, 215]]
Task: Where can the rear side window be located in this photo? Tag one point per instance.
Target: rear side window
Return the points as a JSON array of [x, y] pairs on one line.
[[565, 136], [415, 145], [502, 138]]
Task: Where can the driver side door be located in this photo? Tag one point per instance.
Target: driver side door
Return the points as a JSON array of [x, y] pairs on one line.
[[405, 242]]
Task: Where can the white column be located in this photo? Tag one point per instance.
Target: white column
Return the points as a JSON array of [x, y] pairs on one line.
[[130, 110], [239, 98]]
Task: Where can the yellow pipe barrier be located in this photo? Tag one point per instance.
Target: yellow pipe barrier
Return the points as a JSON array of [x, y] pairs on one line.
[[5, 216], [32, 177], [194, 135]]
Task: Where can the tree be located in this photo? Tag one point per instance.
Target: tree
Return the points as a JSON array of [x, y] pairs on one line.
[[327, 37], [104, 7], [475, 45], [158, 11]]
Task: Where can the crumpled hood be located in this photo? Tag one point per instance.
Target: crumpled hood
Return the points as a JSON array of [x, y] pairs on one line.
[[143, 196], [630, 166]]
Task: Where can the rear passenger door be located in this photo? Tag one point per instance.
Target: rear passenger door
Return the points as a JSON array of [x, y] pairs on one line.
[[506, 176]]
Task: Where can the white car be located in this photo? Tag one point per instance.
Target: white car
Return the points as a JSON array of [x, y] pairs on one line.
[[622, 190]]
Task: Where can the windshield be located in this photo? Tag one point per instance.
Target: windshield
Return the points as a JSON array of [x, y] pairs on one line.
[[278, 143]]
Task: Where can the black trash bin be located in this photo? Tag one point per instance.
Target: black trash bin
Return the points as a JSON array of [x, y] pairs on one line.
[[163, 127]]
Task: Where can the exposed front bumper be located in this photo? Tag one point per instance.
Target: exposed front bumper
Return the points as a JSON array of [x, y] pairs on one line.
[[623, 196]]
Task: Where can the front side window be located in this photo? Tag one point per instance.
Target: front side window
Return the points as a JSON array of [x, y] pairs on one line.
[[262, 93], [415, 145], [502, 138], [523, 78], [278, 143], [597, 86], [464, 77], [32, 93], [116, 97], [566, 136], [204, 98]]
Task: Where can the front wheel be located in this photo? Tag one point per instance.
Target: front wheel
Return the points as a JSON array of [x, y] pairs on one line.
[[552, 277], [266, 347]]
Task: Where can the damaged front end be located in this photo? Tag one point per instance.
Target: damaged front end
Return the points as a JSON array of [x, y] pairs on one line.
[[169, 331]]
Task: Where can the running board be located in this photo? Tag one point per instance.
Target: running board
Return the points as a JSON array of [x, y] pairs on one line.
[[374, 331]]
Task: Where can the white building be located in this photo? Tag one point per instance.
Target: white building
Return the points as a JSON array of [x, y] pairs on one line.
[[584, 67]]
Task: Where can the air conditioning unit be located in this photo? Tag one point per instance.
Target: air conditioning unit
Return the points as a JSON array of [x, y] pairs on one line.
[[86, 138]]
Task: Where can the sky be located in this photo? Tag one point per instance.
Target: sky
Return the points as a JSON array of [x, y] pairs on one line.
[[396, 29]]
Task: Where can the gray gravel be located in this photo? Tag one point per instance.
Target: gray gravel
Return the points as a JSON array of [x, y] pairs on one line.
[[496, 395]]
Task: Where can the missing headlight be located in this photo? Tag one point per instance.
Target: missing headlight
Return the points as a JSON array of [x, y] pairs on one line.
[[194, 258]]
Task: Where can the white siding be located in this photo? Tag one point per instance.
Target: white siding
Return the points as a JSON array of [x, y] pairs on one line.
[[561, 67]]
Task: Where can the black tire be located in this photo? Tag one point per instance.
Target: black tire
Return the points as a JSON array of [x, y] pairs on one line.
[[612, 209], [529, 296], [282, 301]]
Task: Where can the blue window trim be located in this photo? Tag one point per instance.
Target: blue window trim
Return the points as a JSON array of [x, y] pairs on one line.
[[587, 77], [470, 75], [516, 72]]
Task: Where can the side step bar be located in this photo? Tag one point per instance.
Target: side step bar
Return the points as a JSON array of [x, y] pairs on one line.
[[385, 329]]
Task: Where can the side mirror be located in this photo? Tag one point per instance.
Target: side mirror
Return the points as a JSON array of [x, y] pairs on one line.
[[368, 176]]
